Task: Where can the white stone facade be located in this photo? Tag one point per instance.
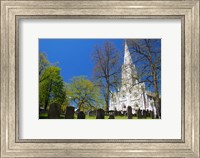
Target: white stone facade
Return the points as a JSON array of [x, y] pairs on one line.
[[131, 93]]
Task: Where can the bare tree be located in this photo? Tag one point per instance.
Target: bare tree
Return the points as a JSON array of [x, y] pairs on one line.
[[146, 55], [107, 69]]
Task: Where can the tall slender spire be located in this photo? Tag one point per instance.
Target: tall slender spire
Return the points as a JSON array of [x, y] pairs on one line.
[[127, 55], [129, 72]]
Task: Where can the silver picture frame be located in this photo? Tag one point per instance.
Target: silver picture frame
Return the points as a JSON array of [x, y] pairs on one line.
[[13, 11]]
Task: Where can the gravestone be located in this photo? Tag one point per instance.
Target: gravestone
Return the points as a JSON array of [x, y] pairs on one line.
[[124, 113], [152, 114], [129, 112], [69, 113], [117, 113], [100, 114], [77, 111], [42, 110], [148, 113], [81, 115], [111, 116], [139, 114], [54, 111], [144, 114]]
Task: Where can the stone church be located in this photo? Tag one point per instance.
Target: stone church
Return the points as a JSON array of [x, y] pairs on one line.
[[131, 93]]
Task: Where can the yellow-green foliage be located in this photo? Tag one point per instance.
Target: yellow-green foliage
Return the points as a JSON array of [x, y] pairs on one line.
[[51, 85], [84, 93]]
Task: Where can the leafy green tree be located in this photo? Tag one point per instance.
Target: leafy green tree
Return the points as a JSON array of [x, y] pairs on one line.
[[51, 87], [43, 63], [84, 93], [68, 95]]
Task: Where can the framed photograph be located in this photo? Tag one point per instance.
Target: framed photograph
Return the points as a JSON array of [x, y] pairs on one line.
[[114, 87], [100, 78]]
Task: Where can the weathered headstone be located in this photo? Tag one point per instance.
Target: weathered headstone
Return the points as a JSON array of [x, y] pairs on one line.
[[69, 114], [100, 114], [54, 111], [77, 111], [139, 115], [117, 113], [111, 116], [42, 110], [81, 115], [124, 113], [148, 113], [144, 114], [129, 112], [157, 117], [152, 114]]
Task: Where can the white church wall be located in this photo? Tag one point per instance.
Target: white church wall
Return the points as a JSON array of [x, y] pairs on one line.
[[131, 92]]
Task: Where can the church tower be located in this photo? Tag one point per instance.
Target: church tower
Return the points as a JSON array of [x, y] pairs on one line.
[[131, 93], [129, 73]]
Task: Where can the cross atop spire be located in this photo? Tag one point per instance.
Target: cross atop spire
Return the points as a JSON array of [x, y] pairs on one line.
[[127, 55]]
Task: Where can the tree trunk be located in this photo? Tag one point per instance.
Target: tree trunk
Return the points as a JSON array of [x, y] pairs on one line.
[[107, 98], [158, 108], [145, 103], [48, 95], [155, 84], [157, 99], [80, 106]]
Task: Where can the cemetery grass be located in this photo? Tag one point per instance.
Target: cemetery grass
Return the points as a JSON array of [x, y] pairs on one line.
[[62, 116]]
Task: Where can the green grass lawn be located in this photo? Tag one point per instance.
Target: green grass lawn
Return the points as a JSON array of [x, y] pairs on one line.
[[45, 116], [116, 117], [106, 117]]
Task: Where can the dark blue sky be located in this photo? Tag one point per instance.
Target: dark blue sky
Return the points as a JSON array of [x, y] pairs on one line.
[[74, 55]]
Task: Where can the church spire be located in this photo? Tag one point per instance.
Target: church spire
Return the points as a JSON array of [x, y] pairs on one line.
[[129, 73], [127, 55]]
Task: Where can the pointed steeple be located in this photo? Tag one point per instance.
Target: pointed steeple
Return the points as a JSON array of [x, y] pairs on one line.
[[127, 55], [129, 73]]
